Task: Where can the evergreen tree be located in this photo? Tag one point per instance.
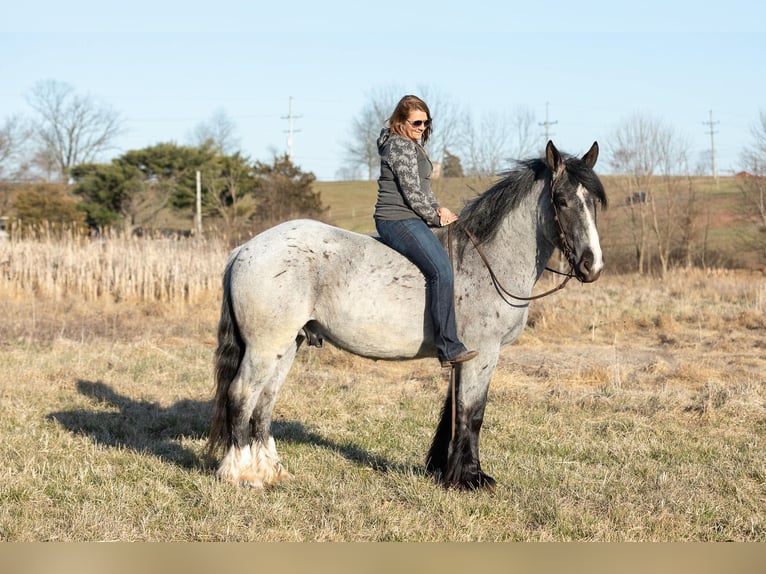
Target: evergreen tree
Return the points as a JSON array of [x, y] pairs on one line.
[[105, 190], [285, 192], [47, 204], [451, 167]]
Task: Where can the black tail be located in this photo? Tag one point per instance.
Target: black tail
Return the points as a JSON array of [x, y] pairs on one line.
[[228, 356]]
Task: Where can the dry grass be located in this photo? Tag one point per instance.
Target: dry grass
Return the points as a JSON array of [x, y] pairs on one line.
[[117, 269], [631, 409]]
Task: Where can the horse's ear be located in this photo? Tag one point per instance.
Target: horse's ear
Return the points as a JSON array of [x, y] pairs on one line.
[[592, 155], [553, 158]]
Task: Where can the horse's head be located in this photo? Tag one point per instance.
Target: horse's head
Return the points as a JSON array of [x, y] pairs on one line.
[[576, 193]]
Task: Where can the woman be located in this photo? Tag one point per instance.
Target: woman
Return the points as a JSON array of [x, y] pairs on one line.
[[406, 210]]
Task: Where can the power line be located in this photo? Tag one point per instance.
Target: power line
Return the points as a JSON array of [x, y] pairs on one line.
[[290, 117], [547, 123], [710, 123]]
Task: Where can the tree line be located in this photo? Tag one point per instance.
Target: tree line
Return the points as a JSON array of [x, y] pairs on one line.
[[48, 173], [54, 156]]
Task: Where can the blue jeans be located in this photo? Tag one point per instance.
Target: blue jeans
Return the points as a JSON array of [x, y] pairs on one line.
[[415, 240]]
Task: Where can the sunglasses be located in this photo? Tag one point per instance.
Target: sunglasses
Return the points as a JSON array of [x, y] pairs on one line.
[[419, 123]]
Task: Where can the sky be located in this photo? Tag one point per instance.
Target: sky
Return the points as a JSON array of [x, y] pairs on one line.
[[168, 66]]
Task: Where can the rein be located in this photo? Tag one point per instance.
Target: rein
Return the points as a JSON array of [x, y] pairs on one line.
[[502, 291], [499, 286], [565, 248]]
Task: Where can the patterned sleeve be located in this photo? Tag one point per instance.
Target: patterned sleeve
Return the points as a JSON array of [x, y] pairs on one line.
[[403, 158]]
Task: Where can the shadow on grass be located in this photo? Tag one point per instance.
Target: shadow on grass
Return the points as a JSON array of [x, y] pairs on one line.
[[167, 432], [294, 432]]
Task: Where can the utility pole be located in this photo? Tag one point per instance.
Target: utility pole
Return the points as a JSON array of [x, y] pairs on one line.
[[710, 123], [290, 117], [547, 124], [198, 214]]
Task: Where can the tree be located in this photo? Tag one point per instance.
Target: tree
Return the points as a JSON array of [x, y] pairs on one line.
[[361, 150], [229, 184], [70, 129], [448, 117], [753, 161], [44, 204], [497, 140], [140, 184], [752, 184], [285, 192], [219, 132], [11, 141], [652, 158], [168, 176], [11, 138], [136, 187], [451, 166], [107, 192]]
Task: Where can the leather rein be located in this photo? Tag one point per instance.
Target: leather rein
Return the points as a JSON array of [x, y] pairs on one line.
[[565, 248]]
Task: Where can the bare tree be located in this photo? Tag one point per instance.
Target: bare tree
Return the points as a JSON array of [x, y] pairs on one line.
[[483, 145], [497, 140], [69, 128], [230, 188], [449, 122], [11, 142], [12, 137], [673, 209], [652, 158], [221, 130], [753, 182], [523, 128], [361, 148]]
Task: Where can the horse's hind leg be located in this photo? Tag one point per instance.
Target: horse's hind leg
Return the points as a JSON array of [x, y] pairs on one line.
[[252, 459], [268, 468]]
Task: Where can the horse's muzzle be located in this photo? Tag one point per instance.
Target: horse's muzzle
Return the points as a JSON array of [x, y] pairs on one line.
[[589, 267]]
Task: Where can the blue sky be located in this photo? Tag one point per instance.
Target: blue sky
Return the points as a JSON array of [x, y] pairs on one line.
[[168, 66]]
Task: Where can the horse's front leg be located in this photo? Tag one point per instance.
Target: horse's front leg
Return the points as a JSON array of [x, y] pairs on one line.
[[454, 460]]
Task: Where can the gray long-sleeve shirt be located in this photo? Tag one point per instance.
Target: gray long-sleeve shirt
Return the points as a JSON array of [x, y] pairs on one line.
[[404, 185]]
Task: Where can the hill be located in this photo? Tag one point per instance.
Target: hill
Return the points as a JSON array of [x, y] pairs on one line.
[[723, 236]]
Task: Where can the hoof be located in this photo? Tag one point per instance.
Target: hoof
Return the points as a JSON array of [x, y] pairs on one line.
[[480, 481], [282, 476], [253, 482], [258, 481], [253, 466]]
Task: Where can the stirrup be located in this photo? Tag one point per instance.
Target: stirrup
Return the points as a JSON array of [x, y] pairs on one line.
[[461, 358]]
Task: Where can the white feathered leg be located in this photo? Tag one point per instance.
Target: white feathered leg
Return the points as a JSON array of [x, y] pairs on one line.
[[256, 465]]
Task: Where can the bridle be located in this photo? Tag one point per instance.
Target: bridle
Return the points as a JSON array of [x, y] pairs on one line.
[[564, 246]]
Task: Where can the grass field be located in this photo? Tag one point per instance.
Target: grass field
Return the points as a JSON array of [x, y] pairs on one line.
[[631, 409]]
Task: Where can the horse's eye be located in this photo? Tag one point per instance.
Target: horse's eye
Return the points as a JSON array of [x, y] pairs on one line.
[[561, 202]]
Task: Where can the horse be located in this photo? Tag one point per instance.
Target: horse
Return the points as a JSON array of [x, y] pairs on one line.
[[303, 281]]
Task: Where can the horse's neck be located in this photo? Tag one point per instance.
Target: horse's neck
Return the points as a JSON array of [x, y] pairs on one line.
[[520, 248]]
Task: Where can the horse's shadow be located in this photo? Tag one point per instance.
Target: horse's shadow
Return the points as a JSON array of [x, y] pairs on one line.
[[173, 433]]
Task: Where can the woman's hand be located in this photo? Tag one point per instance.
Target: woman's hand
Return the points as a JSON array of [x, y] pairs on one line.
[[446, 216]]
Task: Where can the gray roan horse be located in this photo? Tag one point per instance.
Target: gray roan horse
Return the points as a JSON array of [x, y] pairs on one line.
[[304, 281]]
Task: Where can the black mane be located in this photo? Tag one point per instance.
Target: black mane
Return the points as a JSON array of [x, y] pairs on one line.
[[484, 214]]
